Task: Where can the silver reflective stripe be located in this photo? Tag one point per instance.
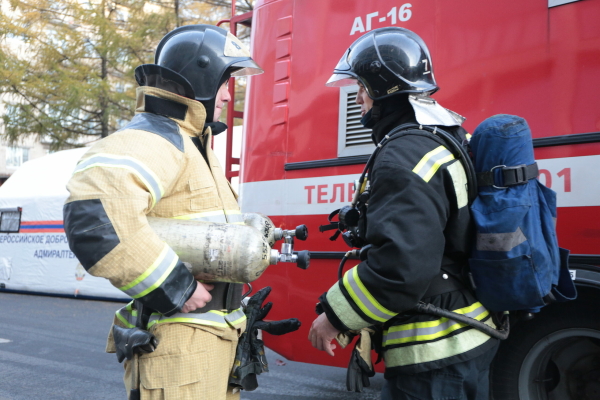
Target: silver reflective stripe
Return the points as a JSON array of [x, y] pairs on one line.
[[234, 217], [343, 310], [363, 299], [153, 276], [211, 318], [437, 350], [127, 315], [235, 317], [432, 161], [209, 216], [500, 241], [145, 174], [429, 330]]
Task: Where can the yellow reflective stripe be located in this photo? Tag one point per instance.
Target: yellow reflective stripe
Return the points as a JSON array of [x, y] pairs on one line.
[[127, 315], [431, 162], [146, 273], [124, 321], [438, 350], [189, 320], [364, 299], [160, 280], [154, 276], [202, 214], [139, 169], [211, 318], [430, 330], [208, 216], [219, 216], [429, 324], [234, 217], [343, 310]]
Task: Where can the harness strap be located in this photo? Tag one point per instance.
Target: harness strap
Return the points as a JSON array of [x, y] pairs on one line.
[[510, 176]]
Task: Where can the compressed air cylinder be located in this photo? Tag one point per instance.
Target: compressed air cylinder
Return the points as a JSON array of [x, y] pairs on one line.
[[263, 224], [217, 252]]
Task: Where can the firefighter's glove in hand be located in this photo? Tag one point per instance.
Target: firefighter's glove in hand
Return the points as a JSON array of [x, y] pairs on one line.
[[250, 359], [278, 327], [360, 368], [133, 341], [255, 313], [345, 338]]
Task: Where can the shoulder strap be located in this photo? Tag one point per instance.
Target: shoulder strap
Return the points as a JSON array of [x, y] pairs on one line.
[[458, 149]]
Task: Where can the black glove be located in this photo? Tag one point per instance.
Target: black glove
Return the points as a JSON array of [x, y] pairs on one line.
[[250, 359], [360, 368], [132, 341]]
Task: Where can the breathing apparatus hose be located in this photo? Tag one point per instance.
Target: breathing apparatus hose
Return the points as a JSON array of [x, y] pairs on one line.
[[430, 309], [341, 267], [351, 253]]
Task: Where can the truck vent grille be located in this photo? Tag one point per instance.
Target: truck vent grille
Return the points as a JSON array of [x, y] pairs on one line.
[[354, 138], [356, 133]]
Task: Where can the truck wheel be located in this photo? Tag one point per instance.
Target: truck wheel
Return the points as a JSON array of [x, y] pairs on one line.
[[555, 356]]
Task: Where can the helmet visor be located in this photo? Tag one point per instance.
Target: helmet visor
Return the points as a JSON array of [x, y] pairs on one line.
[[341, 80], [246, 68]]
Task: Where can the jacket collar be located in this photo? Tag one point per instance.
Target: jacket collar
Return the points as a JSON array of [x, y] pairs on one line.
[[189, 114], [390, 121]]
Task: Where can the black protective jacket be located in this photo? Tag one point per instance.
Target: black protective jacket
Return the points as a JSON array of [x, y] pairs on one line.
[[418, 222]]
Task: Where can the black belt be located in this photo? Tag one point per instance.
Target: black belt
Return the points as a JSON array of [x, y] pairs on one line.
[[225, 296]]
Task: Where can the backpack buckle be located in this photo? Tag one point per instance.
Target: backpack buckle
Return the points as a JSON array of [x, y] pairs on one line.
[[493, 177], [516, 175], [511, 176]]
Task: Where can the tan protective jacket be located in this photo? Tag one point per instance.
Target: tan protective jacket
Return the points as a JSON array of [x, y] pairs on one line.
[[151, 167]]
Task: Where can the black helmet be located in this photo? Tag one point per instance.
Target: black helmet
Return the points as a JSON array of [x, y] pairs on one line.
[[387, 61], [194, 61]]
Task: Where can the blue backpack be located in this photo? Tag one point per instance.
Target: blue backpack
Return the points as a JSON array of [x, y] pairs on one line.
[[516, 263]]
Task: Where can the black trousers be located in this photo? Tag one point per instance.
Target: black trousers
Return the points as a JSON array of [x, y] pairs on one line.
[[468, 380]]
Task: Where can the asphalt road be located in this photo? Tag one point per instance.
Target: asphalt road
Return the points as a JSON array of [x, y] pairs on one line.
[[53, 349]]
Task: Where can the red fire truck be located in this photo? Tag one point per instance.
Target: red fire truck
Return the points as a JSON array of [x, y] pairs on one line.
[[304, 146]]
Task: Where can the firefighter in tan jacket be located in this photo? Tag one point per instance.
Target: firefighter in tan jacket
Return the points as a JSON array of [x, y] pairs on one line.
[[161, 164]]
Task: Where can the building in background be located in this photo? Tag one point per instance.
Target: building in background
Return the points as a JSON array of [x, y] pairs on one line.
[[12, 156]]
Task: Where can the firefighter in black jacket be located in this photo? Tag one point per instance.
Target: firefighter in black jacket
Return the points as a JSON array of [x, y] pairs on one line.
[[418, 224]]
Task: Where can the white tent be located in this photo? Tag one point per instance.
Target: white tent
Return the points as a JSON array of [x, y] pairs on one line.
[[38, 259]]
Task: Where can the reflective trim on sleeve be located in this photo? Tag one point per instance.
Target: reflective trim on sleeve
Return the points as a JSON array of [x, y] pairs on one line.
[[430, 330], [365, 300], [219, 216], [431, 162], [145, 174], [211, 318], [234, 217], [208, 216], [127, 315], [343, 310], [153, 276], [438, 350]]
